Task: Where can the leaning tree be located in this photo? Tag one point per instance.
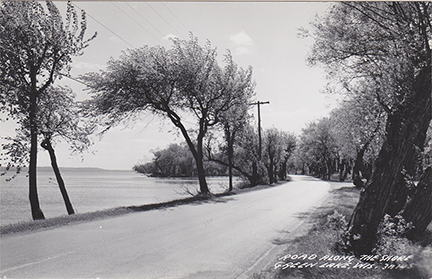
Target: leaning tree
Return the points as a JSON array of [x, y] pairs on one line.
[[180, 83], [36, 46], [58, 117], [384, 46]]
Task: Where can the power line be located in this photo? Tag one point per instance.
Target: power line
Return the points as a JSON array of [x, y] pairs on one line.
[[74, 79], [105, 26], [163, 18], [144, 18], [176, 17], [136, 22]]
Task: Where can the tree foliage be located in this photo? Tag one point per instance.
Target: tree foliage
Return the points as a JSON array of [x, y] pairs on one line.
[[382, 49], [317, 151], [185, 80], [173, 161], [277, 149], [289, 143], [59, 117], [232, 123], [36, 47], [358, 129]]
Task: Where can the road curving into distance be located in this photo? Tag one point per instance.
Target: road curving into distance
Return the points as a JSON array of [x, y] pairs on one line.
[[229, 237]]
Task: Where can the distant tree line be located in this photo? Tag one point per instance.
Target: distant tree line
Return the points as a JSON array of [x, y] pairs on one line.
[[177, 161]]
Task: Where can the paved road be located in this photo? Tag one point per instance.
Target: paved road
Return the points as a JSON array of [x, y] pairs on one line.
[[226, 238]]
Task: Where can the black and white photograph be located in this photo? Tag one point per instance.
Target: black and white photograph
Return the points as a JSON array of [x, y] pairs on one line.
[[220, 139]]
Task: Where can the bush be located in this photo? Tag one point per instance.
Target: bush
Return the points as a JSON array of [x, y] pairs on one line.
[[391, 239], [336, 221]]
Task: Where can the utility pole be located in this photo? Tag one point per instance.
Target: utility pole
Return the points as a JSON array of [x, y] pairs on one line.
[[258, 103]]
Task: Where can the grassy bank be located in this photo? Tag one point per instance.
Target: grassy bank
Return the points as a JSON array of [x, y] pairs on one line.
[[60, 221], [316, 255], [102, 214]]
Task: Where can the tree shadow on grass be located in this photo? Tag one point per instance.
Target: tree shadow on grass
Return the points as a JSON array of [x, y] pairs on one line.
[[119, 211], [196, 200], [109, 213]]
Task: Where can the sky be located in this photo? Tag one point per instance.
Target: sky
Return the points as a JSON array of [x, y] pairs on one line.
[[259, 34]]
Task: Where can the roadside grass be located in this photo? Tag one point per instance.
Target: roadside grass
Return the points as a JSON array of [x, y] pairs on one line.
[[64, 220], [322, 240], [31, 226]]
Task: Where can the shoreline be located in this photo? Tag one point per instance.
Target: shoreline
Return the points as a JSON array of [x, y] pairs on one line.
[[64, 220]]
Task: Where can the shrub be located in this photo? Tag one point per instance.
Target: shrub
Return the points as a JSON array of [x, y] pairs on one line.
[[336, 221], [391, 239]]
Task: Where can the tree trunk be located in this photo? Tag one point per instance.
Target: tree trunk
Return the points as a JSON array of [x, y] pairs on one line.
[[270, 172], [283, 170], [275, 173], [327, 170], [358, 167], [405, 128], [230, 142], [341, 166], [254, 181], [200, 162], [344, 169], [47, 145], [230, 167], [36, 211], [201, 174], [419, 208], [196, 152], [250, 177]]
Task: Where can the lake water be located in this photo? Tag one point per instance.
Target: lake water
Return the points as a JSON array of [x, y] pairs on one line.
[[91, 190]]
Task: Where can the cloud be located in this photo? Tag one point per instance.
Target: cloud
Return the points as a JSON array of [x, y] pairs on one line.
[[243, 43], [241, 39]]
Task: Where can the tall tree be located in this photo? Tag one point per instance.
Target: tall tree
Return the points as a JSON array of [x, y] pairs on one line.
[[384, 46], [288, 141], [58, 117], [233, 121], [272, 154], [35, 47], [358, 128], [318, 149], [183, 81], [245, 155]]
